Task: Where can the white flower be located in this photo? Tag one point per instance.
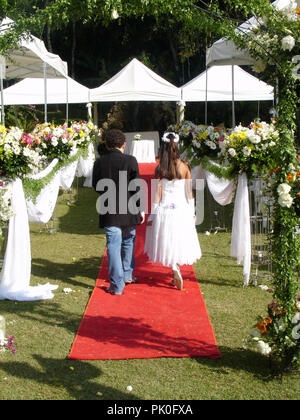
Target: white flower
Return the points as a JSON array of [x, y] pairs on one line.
[[232, 152], [259, 66], [54, 141], [295, 332], [254, 138], [263, 347], [247, 151], [210, 144], [283, 189], [67, 290], [263, 287], [115, 14], [288, 43], [296, 318], [285, 200]]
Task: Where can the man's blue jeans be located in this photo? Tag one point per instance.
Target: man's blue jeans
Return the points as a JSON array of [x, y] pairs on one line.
[[120, 252]]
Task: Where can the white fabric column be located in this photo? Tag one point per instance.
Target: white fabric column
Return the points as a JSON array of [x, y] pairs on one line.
[[180, 110], [223, 192], [16, 271], [89, 108], [241, 230]]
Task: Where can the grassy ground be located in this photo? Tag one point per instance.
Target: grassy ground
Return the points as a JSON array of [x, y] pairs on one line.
[[44, 331]]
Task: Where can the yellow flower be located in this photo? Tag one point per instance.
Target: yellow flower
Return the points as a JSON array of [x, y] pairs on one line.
[[203, 136], [2, 129]]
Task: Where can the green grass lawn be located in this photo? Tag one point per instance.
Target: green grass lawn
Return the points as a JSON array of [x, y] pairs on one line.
[[44, 331]]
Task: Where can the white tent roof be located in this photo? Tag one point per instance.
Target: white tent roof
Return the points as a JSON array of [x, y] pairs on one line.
[[219, 86], [31, 92], [225, 52], [135, 82], [28, 60]]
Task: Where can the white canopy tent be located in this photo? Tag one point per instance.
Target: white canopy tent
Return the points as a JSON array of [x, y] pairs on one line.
[[135, 82], [31, 58], [30, 91], [217, 84], [225, 52]]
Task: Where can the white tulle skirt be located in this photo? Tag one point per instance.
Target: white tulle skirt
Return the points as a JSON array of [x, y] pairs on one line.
[[172, 238]]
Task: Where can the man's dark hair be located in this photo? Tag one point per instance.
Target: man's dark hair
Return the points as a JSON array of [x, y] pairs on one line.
[[114, 138]]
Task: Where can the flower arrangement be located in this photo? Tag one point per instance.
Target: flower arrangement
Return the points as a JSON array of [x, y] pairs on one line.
[[83, 133], [201, 140], [17, 156], [62, 141], [251, 149], [137, 137], [53, 141], [8, 343], [5, 202], [278, 334]]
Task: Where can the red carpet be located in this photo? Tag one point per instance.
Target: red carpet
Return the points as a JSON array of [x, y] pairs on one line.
[[152, 318]]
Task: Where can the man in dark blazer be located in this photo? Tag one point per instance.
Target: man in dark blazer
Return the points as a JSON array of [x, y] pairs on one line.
[[116, 178]]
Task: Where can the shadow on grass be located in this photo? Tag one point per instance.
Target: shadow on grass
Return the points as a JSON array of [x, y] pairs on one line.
[[44, 313], [82, 217], [67, 272], [56, 374], [240, 360]]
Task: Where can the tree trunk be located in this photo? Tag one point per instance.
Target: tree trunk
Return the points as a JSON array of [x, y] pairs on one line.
[[174, 56]]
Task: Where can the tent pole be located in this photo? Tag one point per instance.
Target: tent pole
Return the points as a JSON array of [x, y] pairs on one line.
[[258, 109], [45, 92], [2, 98], [67, 101], [233, 105], [206, 87]]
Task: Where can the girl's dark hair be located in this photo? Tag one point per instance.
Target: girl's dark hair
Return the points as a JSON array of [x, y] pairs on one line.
[[168, 156]]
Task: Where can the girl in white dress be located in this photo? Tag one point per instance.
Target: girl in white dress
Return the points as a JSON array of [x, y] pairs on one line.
[[171, 236]]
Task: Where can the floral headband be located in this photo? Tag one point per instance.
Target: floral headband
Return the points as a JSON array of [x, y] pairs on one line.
[[167, 140]]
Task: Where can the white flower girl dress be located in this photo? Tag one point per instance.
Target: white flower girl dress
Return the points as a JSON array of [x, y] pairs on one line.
[[172, 238]]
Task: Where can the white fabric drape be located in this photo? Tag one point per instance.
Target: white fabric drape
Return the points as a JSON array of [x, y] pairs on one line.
[[223, 192], [16, 270], [42, 208], [241, 230]]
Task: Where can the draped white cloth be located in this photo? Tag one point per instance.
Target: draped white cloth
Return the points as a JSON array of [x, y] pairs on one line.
[[16, 270], [223, 192], [143, 150]]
